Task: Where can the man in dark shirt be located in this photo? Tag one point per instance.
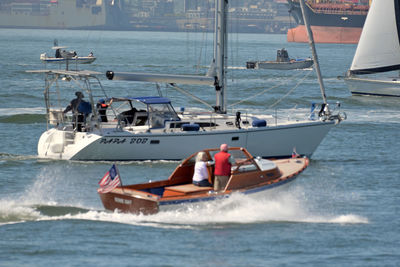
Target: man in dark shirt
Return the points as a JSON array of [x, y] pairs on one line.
[[77, 117]]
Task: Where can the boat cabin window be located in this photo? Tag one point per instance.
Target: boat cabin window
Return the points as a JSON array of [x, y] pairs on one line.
[[130, 113], [135, 112], [201, 124], [159, 113]]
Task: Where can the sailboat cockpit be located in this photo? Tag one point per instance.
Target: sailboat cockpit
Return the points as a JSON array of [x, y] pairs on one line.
[[152, 112]]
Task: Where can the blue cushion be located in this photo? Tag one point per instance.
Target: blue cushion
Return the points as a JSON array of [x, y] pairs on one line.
[[259, 123]]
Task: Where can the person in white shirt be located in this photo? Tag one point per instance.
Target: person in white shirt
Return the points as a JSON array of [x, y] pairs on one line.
[[200, 176]]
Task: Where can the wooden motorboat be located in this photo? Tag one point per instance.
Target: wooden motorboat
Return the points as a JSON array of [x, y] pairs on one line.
[[249, 176]]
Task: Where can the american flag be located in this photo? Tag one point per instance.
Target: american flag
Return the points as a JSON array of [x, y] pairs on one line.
[[110, 180], [294, 153]]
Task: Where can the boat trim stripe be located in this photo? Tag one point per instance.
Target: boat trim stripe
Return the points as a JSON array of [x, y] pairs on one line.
[[363, 93], [210, 198], [375, 70], [234, 132]]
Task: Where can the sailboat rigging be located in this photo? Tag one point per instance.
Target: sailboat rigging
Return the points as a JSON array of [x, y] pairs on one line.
[[149, 128]]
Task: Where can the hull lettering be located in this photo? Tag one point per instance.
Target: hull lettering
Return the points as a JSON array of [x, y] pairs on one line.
[[132, 141], [122, 201]]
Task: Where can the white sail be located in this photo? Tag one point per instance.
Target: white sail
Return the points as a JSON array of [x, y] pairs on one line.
[[378, 49]]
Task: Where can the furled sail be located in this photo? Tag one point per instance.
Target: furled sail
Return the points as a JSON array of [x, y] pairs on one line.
[[164, 78], [379, 47]]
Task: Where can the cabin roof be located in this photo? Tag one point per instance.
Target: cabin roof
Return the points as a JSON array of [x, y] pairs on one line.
[[148, 100]]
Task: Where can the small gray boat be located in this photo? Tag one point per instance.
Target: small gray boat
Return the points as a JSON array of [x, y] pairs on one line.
[[283, 62]]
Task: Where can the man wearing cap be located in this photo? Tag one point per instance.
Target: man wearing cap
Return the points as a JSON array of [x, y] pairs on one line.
[[77, 117], [223, 164]]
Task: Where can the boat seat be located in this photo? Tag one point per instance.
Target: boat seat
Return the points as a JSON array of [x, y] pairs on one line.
[[140, 118], [179, 190]]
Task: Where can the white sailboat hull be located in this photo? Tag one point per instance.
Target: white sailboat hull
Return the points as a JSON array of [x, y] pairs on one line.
[[376, 87], [270, 141]]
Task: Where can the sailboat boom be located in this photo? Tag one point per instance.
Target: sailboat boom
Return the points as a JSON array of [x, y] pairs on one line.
[[164, 78]]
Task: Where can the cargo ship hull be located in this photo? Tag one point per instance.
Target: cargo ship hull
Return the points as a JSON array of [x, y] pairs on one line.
[[340, 23], [323, 34]]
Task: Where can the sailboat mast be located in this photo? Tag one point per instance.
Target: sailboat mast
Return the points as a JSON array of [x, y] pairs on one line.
[[313, 51], [220, 48]]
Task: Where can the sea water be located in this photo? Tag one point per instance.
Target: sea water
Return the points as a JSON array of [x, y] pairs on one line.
[[343, 210]]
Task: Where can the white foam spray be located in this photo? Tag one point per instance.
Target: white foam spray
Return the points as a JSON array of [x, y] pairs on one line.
[[287, 204]]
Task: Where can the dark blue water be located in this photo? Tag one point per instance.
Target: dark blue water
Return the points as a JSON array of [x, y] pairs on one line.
[[343, 210]]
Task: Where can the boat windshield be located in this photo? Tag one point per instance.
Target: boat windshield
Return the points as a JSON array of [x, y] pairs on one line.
[[242, 163], [159, 113], [238, 155]]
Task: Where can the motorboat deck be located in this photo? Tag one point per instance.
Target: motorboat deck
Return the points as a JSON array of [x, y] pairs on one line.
[[249, 175]]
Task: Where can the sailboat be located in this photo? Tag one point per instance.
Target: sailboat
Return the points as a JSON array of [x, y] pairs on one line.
[[149, 128], [378, 53]]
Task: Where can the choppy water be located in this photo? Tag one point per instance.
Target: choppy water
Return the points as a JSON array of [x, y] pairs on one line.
[[343, 210]]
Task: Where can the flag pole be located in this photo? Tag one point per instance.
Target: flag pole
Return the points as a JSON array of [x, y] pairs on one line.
[[120, 180]]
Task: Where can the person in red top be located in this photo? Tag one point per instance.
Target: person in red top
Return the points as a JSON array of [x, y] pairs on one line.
[[223, 164], [102, 109]]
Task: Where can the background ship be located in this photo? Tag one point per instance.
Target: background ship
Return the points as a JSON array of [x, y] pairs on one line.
[[331, 21], [261, 16], [60, 14]]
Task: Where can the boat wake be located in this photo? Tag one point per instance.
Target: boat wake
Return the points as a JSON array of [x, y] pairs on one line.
[[373, 116], [22, 115], [7, 157], [55, 196], [17, 211], [23, 119], [276, 206], [19, 111]]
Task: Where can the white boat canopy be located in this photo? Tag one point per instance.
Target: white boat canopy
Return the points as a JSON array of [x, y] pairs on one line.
[[67, 72]]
